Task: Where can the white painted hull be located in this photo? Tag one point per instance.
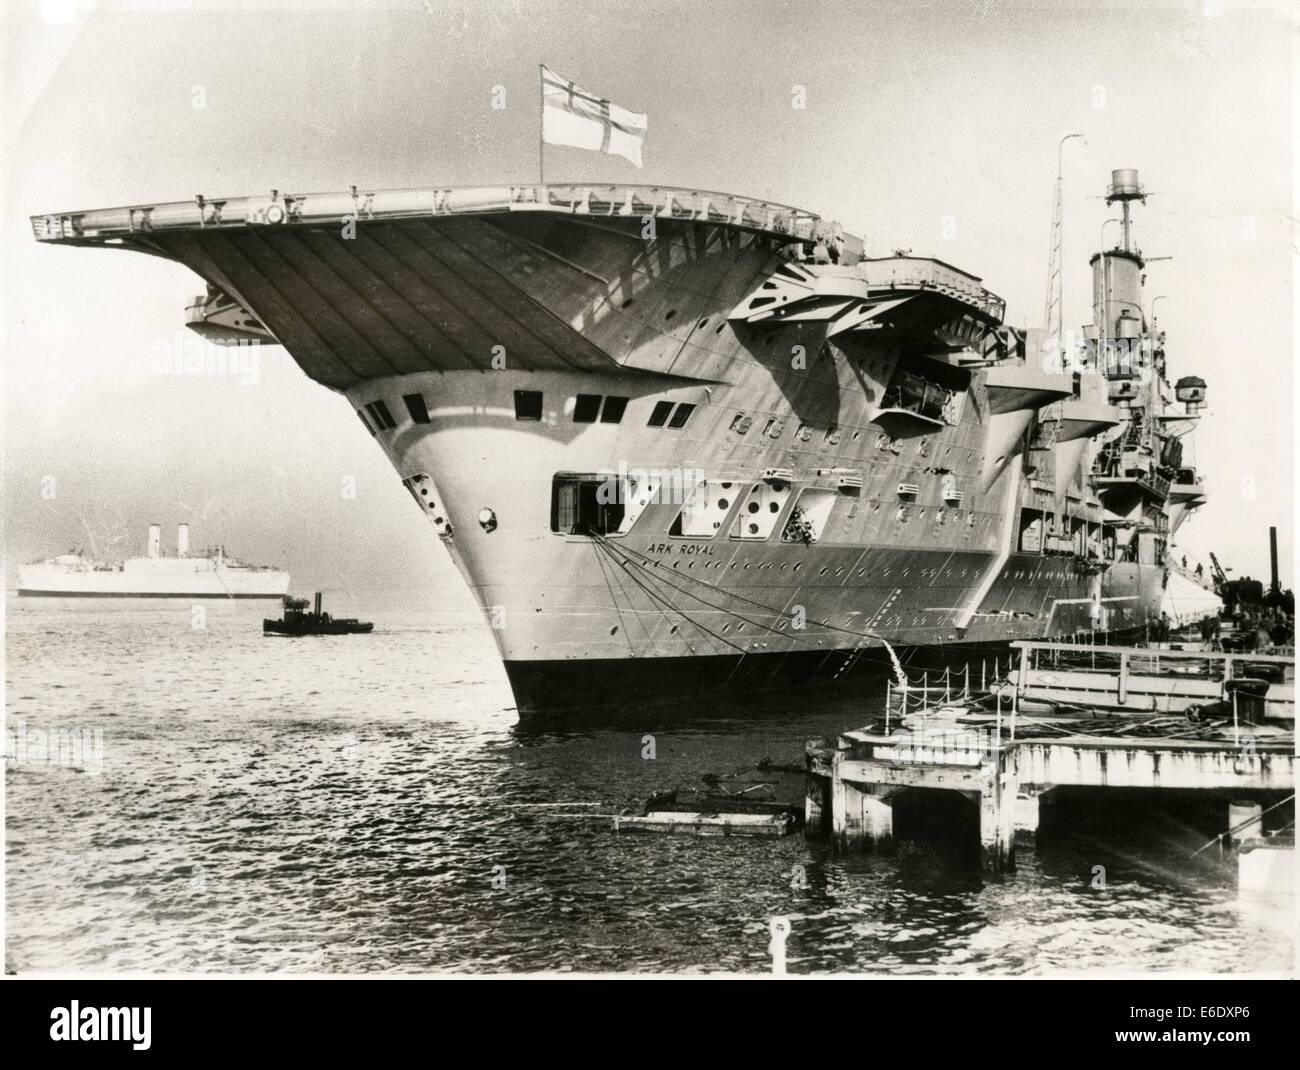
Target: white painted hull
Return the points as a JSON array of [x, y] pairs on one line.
[[199, 578]]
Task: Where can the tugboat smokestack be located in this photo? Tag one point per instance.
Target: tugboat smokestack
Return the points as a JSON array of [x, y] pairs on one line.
[[318, 596], [182, 540], [155, 541]]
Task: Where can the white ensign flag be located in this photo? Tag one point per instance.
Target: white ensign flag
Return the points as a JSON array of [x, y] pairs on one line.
[[572, 116]]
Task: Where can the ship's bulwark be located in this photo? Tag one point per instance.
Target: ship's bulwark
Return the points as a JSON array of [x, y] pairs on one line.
[[852, 479]]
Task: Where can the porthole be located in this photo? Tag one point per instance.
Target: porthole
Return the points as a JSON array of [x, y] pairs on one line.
[[798, 566], [723, 503], [702, 324], [614, 630], [671, 313], [672, 630], [822, 572], [627, 303]]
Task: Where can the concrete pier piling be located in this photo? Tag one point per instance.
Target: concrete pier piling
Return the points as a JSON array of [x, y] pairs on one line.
[[1001, 764], [862, 776]]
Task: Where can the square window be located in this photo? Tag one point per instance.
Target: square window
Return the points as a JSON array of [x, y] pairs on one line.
[[585, 408], [682, 414], [528, 404], [660, 416], [416, 407], [613, 411]]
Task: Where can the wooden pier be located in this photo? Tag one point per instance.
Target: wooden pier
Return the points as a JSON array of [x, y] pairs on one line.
[[1147, 678], [1003, 759]]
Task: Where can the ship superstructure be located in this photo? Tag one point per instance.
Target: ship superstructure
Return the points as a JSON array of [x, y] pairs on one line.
[[674, 439], [209, 573]]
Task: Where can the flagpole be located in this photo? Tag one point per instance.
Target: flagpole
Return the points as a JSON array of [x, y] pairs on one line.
[[541, 126]]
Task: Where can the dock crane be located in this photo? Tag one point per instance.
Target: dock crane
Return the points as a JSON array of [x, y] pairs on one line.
[[1220, 577]]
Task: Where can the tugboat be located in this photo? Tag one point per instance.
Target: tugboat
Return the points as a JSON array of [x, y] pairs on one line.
[[297, 621]]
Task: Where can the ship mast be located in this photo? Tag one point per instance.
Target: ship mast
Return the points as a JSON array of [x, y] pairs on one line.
[[1052, 311]]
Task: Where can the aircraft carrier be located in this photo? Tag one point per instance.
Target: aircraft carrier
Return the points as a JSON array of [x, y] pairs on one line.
[[677, 440]]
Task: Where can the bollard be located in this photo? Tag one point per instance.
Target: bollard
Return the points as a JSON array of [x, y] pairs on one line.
[[780, 929]]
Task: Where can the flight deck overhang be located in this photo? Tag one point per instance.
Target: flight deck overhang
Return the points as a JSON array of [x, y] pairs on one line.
[[110, 226], [365, 285]]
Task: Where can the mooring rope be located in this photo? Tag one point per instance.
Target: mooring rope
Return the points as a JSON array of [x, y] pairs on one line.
[[1245, 824]]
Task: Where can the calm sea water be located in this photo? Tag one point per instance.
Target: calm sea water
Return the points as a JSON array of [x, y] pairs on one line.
[[372, 804]]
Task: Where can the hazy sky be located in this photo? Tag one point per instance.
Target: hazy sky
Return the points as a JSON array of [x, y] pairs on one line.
[[914, 112]]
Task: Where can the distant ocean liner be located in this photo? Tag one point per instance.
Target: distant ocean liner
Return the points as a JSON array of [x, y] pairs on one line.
[[867, 452], [210, 574]]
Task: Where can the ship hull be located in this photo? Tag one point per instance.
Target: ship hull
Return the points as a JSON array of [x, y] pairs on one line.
[[176, 578], [642, 615], [28, 593], [279, 627], [869, 445], [607, 686]]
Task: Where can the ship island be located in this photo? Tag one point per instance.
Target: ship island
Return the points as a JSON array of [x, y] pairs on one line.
[[208, 573], [678, 441]]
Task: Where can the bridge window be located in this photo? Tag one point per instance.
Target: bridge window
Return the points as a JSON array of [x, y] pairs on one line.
[[382, 418], [660, 415], [585, 408], [416, 407], [585, 504], [528, 404], [682, 414], [613, 411]]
